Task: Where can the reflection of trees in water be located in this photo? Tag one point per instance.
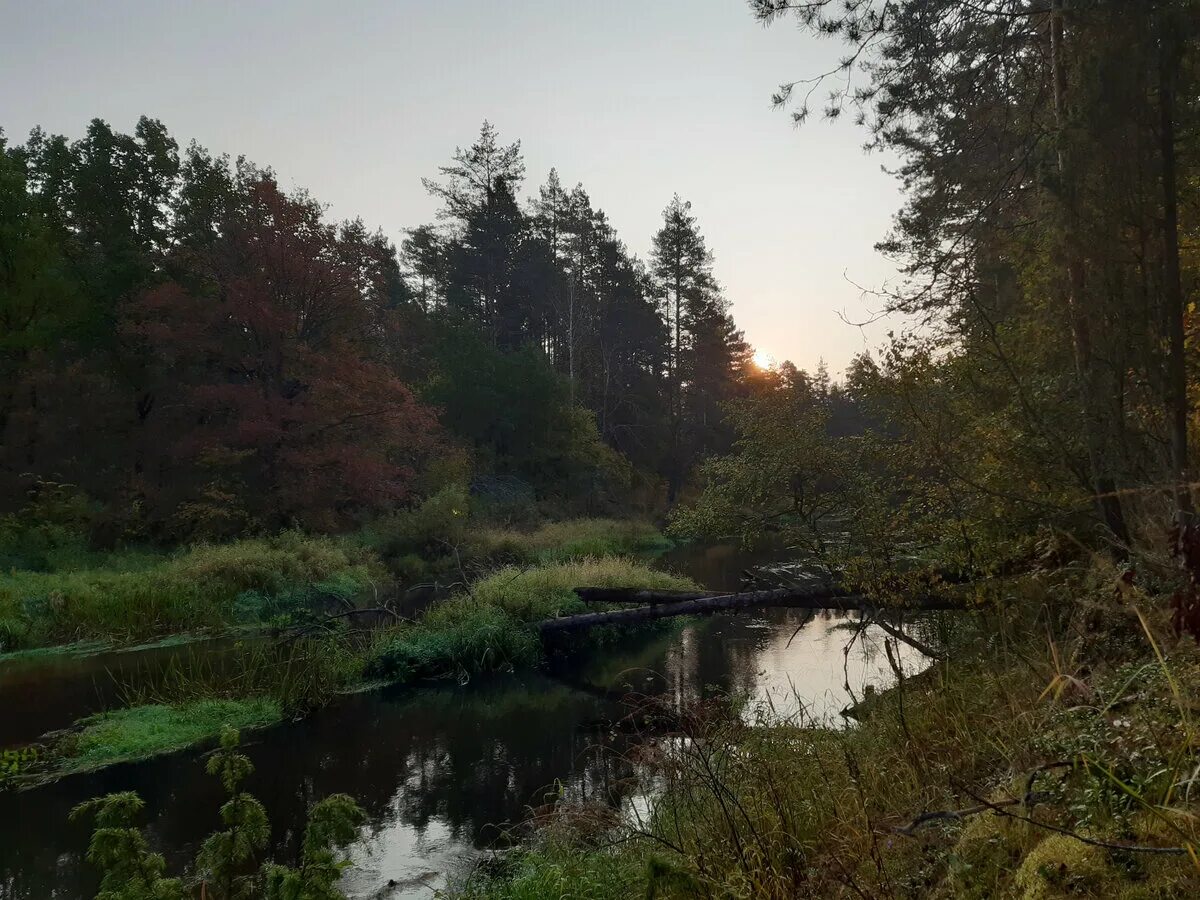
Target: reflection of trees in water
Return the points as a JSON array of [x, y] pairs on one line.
[[469, 758]]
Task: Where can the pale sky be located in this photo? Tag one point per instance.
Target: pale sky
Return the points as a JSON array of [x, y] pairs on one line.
[[356, 101]]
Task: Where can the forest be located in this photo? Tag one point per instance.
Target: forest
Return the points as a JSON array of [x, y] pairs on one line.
[[203, 355], [487, 455]]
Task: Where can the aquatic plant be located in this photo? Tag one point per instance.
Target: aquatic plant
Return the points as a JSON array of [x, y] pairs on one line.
[[223, 868], [140, 732], [299, 673]]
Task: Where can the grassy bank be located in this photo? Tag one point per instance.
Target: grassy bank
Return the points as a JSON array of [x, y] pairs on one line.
[[491, 625], [1086, 729], [138, 733], [571, 539], [139, 595], [205, 587], [440, 538]]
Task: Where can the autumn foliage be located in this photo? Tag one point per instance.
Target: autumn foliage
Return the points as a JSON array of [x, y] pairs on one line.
[[230, 367], [267, 370]]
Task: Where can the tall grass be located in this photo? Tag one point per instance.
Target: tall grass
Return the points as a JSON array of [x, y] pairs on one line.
[[194, 589], [441, 537], [492, 625], [572, 539], [557, 869], [298, 674]]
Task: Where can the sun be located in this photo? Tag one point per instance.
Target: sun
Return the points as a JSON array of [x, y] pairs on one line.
[[763, 360]]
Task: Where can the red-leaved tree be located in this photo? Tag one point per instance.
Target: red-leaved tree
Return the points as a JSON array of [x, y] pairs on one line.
[[269, 399]]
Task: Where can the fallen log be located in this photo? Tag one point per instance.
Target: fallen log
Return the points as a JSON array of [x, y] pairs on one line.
[[815, 588], [662, 604]]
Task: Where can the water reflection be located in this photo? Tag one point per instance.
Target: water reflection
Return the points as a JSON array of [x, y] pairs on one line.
[[442, 769], [42, 692]]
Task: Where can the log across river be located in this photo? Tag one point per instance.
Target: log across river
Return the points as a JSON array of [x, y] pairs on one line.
[[816, 594]]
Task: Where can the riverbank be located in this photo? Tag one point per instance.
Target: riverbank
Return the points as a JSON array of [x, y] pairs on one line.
[[487, 624], [106, 600], [444, 769], [1051, 755]]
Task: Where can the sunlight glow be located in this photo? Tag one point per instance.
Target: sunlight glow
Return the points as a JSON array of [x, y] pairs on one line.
[[763, 360]]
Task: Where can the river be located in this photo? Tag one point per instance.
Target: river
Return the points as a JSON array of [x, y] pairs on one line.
[[439, 769]]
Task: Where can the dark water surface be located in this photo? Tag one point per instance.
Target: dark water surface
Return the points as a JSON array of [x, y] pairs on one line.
[[440, 770]]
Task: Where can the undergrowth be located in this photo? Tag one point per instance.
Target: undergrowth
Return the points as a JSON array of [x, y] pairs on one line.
[[208, 586], [1052, 755], [231, 861], [444, 538], [492, 624]]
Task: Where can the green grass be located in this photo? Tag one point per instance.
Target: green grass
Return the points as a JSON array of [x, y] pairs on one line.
[[558, 870], [300, 673], [493, 625], [441, 535], [141, 732], [205, 587], [573, 539]]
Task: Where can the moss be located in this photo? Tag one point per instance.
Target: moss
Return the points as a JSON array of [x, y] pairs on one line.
[[140, 732], [982, 860], [1061, 866]]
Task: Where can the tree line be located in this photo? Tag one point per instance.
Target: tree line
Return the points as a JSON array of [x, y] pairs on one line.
[[1050, 159], [200, 353]]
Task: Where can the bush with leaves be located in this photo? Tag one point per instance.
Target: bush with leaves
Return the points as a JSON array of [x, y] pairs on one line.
[[225, 864]]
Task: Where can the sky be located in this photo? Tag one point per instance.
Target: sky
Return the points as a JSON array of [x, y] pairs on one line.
[[358, 100]]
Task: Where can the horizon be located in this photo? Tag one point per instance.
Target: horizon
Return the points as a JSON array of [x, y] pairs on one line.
[[656, 102]]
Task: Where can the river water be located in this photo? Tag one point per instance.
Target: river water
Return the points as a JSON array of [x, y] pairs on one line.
[[440, 769]]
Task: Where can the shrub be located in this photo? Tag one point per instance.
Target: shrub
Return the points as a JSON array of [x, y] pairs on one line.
[[439, 522], [224, 864], [50, 532]]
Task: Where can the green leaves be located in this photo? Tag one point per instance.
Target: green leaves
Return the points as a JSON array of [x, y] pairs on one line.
[[224, 868], [129, 871], [333, 824]]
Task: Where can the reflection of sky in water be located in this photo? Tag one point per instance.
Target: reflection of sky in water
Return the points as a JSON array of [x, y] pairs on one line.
[[760, 656], [416, 860], [440, 770], [788, 670]]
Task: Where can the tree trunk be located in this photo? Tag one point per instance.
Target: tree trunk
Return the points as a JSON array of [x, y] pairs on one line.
[[1091, 388], [1177, 398], [674, 473]]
